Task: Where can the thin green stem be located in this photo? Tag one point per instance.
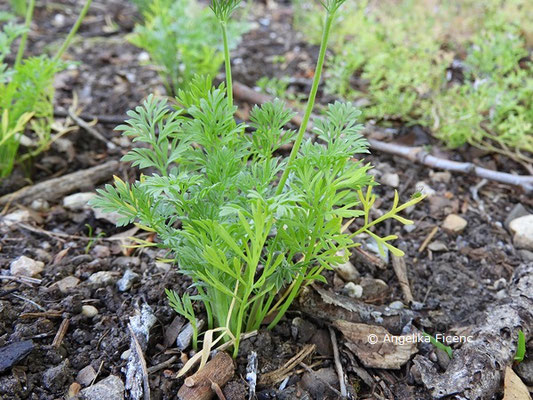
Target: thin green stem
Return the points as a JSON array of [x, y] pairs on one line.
[[227, 63], [310, 101], [27, 22], [73, 30]]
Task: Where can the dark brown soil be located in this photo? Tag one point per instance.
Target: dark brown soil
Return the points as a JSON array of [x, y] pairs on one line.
[[453, 285]]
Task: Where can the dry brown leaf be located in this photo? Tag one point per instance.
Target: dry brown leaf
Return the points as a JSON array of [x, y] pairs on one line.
[[514, 388], [386, 351]]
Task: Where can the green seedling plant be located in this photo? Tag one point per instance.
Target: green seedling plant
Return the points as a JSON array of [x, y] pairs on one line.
[[180, 36], [26, 90], [520, 347], [447, 349], [248, 226], [92, 239]]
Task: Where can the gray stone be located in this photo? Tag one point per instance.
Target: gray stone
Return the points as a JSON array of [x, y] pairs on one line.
[[437, 245], [86, 376], [396, 305], [67, 283], [13, 353], [522, 229], [518, 211], [55, 378], [16, 217], [110, 388], [100, 251], [392, 180], [25, 266], [101, 278], [77, 201], [353, 290], [128, 279]]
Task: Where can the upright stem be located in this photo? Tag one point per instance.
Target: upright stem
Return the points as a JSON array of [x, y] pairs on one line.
[[310, 101], [73, 30], [27, 22], [227, 63]]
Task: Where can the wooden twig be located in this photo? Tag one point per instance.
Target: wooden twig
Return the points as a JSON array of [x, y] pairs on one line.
[[92, 131], [103, 119], [58, 339], [279, 374], [200, 385], [162, 365], [44, 314], [428, 239], [22, 279], [415, 154], [400, 269], [338, 365], [142, 362], [218, 391], [57, 188], [478, 366]]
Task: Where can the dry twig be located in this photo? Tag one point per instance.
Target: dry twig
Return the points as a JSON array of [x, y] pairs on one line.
[[414, 154], [400, 269], [57, 188], [61, 333], [338, 365]]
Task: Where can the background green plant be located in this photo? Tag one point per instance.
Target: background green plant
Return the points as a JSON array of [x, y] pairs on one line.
[[26, 90], [182, 39], [248, 238], [396, 59]]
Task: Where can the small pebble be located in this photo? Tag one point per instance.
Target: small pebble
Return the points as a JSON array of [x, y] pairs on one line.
[[40, 205], [101, 278], [100, 251], [396, 305], [454, 224], [522, 229], [25, 266], [126, 282], [353, 290], [78, 201], [89, 311], [392, 180], [67, 283], [86, 375], [437, 245]]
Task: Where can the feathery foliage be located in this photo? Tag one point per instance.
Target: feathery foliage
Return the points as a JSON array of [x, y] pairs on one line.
[[211, 190]]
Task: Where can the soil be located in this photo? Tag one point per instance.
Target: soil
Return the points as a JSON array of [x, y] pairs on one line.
[[453, 285]]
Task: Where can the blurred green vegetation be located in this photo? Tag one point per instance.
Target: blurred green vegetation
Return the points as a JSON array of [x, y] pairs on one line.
[[461, 68]]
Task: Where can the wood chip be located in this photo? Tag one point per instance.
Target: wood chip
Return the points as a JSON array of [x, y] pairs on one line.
[[200, 385], [375, 346], [514, 388]]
